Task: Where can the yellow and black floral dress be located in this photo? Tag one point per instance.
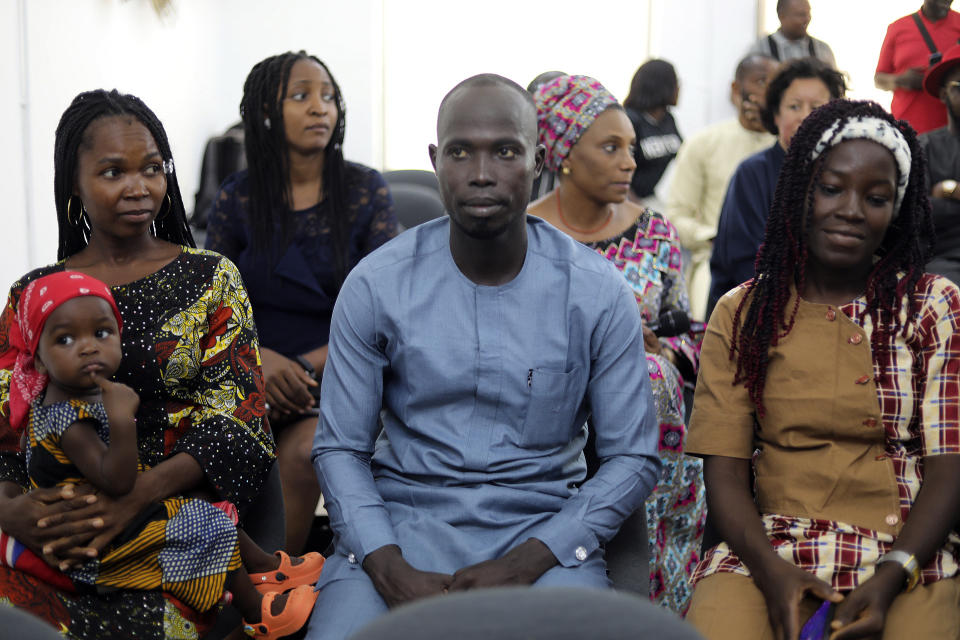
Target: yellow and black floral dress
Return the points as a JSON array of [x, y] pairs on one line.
[[190, 352]]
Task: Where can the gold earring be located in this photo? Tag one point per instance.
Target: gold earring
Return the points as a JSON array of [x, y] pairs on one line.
[[80, 217], [164, 214], [565, 170]]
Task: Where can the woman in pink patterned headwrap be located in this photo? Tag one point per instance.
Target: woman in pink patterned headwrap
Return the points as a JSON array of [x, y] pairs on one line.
[[590, 143]]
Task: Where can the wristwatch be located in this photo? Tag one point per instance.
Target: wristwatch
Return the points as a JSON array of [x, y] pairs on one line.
[[909, 563], [949, 188]]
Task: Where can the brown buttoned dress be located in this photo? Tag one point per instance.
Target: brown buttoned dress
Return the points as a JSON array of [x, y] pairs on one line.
[[820, 451]]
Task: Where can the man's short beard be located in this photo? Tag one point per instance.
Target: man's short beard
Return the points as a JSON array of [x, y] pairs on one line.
[[484, 230]]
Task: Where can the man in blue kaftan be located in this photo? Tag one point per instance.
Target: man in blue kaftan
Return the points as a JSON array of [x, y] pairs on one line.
[[482, 341]]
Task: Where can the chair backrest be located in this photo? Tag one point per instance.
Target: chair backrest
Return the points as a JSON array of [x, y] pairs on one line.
[[415, 204], [20, 624], [412, 176], [525, 613]]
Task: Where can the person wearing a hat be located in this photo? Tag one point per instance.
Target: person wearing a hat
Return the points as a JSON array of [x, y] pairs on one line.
[[942, 147], [589, 143]]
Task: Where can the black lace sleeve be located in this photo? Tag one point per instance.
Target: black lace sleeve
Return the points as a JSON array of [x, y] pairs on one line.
[[226, 218], [383, 223]]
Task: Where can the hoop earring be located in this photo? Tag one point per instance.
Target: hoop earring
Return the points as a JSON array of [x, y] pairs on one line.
[[83, 212], [163, 214]]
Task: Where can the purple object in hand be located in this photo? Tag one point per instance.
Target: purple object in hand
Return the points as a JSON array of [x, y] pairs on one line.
[[818, 626]]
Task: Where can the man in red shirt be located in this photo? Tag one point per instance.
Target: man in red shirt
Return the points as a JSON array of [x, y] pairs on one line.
[[905, 56]]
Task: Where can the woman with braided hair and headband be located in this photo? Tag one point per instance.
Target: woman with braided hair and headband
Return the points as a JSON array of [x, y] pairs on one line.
[[831, 376], [295, 222], [189, 351], [590, 145]]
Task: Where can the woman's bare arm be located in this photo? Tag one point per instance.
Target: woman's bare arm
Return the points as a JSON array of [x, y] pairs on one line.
[[737, 520]]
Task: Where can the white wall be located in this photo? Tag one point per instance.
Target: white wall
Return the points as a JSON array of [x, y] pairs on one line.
[[13, 191], [429, 46]]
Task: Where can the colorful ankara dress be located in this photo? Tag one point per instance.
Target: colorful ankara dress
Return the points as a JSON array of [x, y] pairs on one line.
[[648, 255], [190, 352], [185, 547]]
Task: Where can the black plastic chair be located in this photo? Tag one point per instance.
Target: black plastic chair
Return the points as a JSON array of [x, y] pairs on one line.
[[524, 613], [627, 554], [21, 624], [415, 204], [412, 176]]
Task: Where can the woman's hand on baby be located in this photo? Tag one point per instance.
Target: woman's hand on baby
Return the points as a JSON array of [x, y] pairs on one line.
[[287, 384], [44, 521], [118, 398], [118, 512], [84, 531], [784, 585]]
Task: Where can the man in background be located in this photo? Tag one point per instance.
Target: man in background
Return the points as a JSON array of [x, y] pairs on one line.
[[942, 147], [704, 165], [791, 39], [913, 44]]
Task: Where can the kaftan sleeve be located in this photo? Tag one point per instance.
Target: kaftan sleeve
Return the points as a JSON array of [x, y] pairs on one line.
[[686, 197], [350, 403]]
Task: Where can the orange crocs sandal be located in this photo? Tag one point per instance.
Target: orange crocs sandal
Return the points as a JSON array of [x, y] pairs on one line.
[[289, 575], [294, 615]]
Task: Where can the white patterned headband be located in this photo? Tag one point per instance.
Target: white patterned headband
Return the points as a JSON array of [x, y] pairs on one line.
[[879, 131]]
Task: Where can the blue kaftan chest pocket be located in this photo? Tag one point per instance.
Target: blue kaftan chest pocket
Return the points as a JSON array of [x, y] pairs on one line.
[[552, 403]]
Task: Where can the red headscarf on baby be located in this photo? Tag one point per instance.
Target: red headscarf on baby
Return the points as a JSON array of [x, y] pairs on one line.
[[41, 298]]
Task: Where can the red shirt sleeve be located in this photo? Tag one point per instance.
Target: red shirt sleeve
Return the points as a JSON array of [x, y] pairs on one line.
[[885, 63]]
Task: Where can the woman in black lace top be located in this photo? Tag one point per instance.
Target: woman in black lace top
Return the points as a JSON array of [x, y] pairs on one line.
[[295, 223]]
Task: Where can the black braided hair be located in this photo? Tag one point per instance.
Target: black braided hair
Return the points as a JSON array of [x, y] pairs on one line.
[[171, 223], [762, 318], [268, 159]]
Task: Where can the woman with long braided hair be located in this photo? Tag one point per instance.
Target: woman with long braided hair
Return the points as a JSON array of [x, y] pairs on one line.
[[189, 351], [831, 376], [295, 222]]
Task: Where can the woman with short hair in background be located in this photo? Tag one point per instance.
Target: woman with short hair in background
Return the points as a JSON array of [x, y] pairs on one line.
[[653, 90], [798, 87]]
